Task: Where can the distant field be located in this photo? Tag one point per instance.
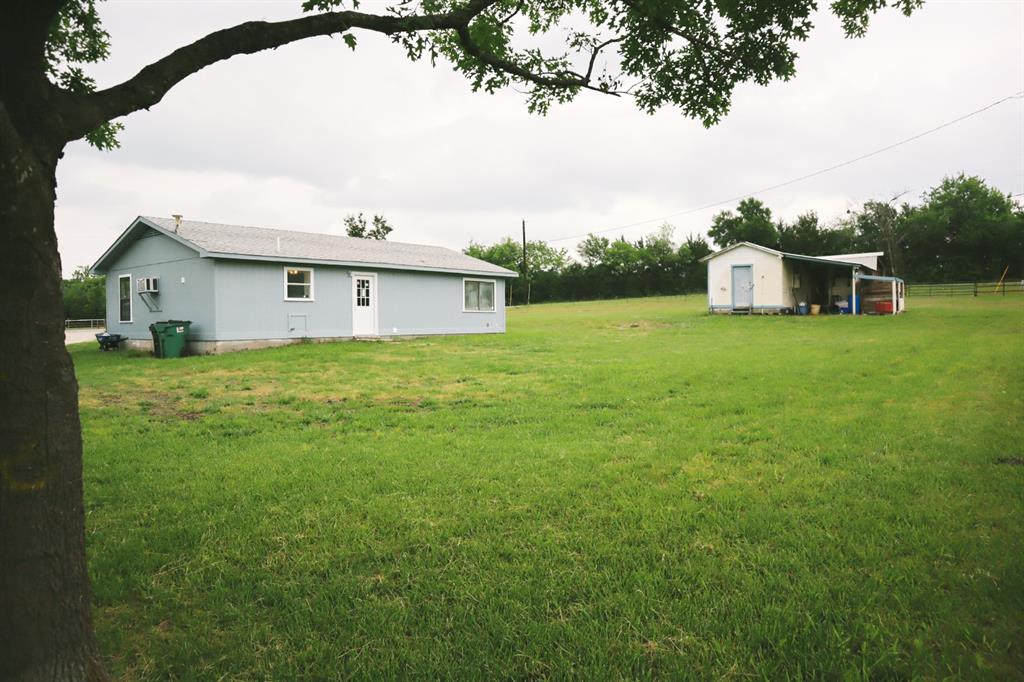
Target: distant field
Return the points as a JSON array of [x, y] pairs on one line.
[[627, 489]]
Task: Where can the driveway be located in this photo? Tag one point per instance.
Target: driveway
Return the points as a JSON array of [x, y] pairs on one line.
[[80, 335]]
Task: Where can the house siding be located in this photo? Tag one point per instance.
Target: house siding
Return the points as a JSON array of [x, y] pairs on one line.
[[767, 271], [243, 300], [156, 255], [414, 303], [250, 303]]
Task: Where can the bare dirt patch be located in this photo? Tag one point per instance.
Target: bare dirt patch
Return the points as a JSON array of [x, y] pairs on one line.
[[642, 325]]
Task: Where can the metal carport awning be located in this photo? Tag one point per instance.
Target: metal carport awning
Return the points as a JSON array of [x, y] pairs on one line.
[[821, 261], [878, 278], [845, 266], [894, 282]]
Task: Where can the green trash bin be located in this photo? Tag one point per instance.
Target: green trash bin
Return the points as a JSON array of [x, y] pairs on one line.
[[169, 338]]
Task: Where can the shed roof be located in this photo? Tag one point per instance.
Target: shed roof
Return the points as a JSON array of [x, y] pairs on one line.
[[736, 246], [823, 260], [868, 259], [217, 240]]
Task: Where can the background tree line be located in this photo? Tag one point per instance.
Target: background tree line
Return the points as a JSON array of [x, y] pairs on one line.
[[85, 295], [650, 266], [963, 231]]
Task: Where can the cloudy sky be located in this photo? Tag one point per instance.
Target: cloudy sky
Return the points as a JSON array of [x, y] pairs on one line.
[[299, 137]]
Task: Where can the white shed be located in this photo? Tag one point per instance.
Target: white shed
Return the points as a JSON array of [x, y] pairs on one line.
[[750, 278]]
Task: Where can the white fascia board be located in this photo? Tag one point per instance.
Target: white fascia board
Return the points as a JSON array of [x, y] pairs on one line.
[[507, 274]]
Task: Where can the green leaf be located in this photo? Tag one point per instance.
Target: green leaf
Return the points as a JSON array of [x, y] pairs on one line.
[[104, 138]]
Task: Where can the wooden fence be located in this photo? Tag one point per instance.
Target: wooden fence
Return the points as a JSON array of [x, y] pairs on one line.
[[966, 289]]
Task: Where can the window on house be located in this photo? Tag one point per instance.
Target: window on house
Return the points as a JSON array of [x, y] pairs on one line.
[[478, 295], [124, 295], [298, 284], [362, 292]]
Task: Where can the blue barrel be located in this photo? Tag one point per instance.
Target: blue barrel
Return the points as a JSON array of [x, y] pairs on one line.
[[850, 303]]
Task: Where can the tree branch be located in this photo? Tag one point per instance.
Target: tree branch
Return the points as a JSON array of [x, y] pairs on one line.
[[512, 15], [571, 80], [150, 85], [597, 51]]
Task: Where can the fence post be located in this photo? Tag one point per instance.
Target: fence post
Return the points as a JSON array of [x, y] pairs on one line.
[[975, 290]]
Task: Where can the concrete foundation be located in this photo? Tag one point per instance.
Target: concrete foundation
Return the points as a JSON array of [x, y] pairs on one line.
[[217, 347]]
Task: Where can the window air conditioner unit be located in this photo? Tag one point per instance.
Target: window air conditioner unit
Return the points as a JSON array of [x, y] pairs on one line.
[[149, 285]]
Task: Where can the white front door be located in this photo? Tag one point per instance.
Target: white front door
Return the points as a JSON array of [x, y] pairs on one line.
[[364, 304]]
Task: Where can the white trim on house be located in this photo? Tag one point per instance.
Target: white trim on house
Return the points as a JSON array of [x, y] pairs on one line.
[[736, 246], [494, 293], [131, 303], [312, 292]]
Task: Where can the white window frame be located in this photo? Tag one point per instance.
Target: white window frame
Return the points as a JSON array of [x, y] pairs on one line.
[[494, 296], [312, 284], [131, 303]]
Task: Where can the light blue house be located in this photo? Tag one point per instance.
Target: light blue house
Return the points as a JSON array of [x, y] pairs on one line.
[[251, 287]]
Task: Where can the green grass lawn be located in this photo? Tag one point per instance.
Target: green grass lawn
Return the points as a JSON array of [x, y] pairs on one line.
[[627, 489]]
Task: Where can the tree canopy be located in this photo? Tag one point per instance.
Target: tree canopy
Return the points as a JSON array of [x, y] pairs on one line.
[[508, 253], [752, 222], [356, 226], [653, 264], [84, 295], [593, 249], [690, 56], [964, 231]]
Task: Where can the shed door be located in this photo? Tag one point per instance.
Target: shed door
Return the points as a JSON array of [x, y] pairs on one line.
[[742, 286], [364, 304]]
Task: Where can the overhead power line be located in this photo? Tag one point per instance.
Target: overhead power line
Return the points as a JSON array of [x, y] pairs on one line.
[[1017, 95]]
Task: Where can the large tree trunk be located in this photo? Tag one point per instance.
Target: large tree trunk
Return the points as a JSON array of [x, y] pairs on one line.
[[45, 621]]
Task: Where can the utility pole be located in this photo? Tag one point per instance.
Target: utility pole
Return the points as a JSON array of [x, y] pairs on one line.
[[526, 271], [889, 238]]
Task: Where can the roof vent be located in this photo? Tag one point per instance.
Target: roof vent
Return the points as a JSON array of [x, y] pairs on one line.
[[177, 220]]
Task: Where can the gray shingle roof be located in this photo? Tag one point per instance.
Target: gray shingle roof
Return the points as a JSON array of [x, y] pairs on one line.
[[217, 239]]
